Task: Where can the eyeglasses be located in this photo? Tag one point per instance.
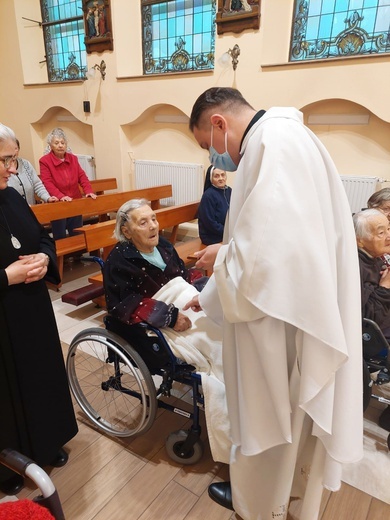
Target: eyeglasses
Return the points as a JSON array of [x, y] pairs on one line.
[[7, 161]]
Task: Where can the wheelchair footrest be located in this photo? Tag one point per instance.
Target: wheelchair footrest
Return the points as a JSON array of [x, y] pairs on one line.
[[83, 294]]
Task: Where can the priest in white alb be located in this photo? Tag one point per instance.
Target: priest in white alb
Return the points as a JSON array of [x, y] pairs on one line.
[[286, 290]]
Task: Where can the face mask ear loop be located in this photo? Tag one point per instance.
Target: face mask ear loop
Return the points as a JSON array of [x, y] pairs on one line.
[[226, 142], [211, 136]]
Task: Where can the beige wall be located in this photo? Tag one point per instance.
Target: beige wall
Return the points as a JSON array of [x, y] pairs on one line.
[[122, 126]]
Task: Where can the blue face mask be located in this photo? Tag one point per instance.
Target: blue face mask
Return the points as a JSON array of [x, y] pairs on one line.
[[222, 161]]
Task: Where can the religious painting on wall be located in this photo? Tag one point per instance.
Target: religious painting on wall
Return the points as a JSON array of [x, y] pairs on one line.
[[97, 23], [237, 15]]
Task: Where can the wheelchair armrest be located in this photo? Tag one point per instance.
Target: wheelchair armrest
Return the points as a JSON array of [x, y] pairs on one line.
[[96, 259]]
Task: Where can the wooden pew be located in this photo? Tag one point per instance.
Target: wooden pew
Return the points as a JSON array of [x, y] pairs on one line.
[[100, 236], [99, 186], [107, 203], [103, 204]]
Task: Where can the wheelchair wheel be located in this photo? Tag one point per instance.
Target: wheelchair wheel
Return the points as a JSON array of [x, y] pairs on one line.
[[367, 386], [111, 383], [173, 446]]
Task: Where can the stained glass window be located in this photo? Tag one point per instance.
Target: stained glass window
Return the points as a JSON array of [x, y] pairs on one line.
[[178, 35], [339, 28], [63, 29]]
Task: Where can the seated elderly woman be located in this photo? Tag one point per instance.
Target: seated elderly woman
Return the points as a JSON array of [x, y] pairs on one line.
[[373, 239], [145, 280], [139, 265], [380, 200]]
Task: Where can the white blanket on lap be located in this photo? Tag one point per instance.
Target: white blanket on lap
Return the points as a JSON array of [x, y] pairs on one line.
[[201, 346]]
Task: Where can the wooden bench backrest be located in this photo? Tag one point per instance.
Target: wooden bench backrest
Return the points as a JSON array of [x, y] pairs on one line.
[[99, 186], [45, 213], [100, 235]]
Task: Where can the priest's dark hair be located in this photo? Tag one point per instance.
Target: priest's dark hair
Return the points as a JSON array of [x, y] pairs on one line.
[[230, 99]]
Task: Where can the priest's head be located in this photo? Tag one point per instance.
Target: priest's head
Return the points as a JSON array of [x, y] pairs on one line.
[[218, 121]]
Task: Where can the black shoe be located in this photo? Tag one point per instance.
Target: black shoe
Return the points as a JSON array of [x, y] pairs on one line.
[[384, 419], [12, 485], [61, 459], [221, 492]]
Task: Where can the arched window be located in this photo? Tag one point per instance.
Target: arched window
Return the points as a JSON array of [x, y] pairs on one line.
[[63, 30], [178, 35], [339, 28]]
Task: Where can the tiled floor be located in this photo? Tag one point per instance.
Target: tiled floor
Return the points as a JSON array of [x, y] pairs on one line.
[[71, 319]]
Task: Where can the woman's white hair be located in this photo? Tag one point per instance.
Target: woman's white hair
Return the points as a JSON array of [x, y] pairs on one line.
[[56, 133], [6, 134], [123, 215], [361, 222]]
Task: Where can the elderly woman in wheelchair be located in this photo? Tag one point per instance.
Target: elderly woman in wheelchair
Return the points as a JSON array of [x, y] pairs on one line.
[[140, 264], [372, 230], [112, 371]]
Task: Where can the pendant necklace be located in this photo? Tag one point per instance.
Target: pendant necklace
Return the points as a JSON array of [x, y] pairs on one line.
[[14, 241]]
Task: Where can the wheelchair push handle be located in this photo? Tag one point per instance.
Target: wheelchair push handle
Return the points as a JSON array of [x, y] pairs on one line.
[[15, 460]]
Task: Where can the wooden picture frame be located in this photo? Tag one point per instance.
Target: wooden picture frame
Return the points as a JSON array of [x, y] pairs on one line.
[[97, 25], [237, 15]]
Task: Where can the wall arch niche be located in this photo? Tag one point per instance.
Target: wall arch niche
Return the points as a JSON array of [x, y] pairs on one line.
[[357, 149], [160, 133], [79, 134]]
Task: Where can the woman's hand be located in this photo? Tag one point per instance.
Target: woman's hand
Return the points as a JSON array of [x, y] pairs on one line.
[[385, 278], [193, 305], [206, 257], [92, 195], [52, 199], [182, 323], [65, 198], [29, 268]]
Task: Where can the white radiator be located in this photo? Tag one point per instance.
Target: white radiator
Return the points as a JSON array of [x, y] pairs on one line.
[[186, 179], [359, 190], [87, 163]]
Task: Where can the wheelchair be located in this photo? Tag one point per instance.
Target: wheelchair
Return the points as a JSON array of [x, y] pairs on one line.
[[26, 467], [376, 363], [110, 373]]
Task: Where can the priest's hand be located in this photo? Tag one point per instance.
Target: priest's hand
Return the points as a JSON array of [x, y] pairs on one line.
[[206, 257], [193, 305]]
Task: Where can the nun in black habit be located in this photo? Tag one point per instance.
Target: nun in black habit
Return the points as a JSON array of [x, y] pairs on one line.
[[36, 411]]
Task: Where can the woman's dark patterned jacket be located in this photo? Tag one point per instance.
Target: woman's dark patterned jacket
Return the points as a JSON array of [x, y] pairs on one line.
[[130, 281]]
